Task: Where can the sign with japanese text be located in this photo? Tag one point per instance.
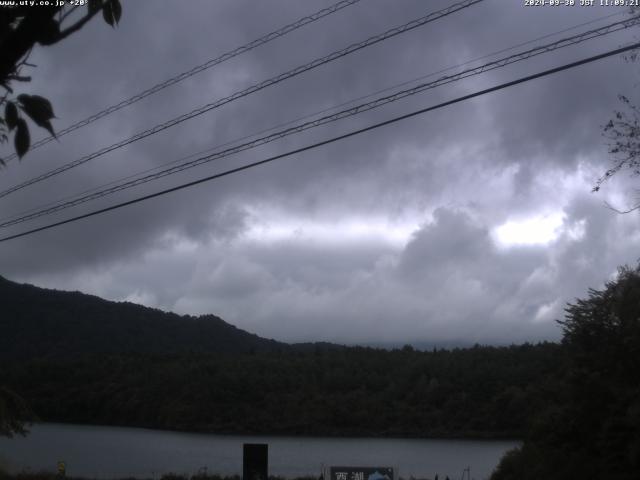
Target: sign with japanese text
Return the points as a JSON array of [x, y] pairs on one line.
[[361, 473]]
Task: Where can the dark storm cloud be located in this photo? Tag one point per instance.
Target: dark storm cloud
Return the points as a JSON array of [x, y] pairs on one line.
[[283, 249]]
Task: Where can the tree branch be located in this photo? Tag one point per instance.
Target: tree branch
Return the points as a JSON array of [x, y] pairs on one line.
[[22, 39], [19, 78], [78, 25], [64, 15]]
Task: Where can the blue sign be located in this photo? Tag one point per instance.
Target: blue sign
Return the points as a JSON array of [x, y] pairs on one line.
[[361, 473]]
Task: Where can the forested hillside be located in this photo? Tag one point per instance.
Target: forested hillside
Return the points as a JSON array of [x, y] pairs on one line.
[[38, 322], [78, 358], [477, 392]]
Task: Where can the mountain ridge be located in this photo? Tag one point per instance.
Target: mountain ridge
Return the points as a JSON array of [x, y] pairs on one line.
[[37, 322]]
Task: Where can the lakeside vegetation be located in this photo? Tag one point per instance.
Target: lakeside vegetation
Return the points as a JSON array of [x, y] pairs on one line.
[[575, 404], [170, 476], [481, 392], [589, 427], [78, 358]]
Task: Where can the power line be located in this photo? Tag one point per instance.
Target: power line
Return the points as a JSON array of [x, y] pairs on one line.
[[575, 39], [328, 141], [254, 88], [330, 118], [311, 115], [195, 70], [304, 117]]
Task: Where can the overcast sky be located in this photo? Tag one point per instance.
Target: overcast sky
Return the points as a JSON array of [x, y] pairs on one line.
[[473, 223]]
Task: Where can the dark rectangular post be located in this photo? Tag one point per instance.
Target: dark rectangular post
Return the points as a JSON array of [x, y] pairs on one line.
[[255, 461]]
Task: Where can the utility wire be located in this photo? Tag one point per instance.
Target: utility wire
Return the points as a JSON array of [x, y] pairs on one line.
[[330, 118], [254, 88], [195, 70], [328, 141], [305, 117]]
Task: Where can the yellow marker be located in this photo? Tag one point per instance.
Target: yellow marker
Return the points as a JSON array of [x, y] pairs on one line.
[[62, 468]]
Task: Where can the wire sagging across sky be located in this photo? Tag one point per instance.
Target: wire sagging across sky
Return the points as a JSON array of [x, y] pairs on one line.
[[500, 63], [248, 91], [195, 70], [329, 141], [298, 119]]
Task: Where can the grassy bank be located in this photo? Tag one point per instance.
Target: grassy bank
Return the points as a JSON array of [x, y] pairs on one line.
[[170, 476]]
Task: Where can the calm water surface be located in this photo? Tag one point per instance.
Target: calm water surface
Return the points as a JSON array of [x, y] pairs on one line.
[[115, 452]]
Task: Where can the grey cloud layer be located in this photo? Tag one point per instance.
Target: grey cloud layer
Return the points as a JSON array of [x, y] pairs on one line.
[[455, 174]]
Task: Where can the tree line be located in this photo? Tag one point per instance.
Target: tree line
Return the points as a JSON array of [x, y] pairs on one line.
[[483, 392], [589, 427]]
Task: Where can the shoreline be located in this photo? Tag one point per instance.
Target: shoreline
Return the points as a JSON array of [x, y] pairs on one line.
[[50, 475], [477, 436], [141, 454]]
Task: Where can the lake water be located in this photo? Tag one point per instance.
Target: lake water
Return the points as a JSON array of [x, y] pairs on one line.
[[114, 452]]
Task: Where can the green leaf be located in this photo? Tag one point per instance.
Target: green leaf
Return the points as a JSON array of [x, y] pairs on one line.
[[107, 14], [39, 106], [117, 10], [112, 11], [11, 115], [22, 139], [39, 110], [49, 128]]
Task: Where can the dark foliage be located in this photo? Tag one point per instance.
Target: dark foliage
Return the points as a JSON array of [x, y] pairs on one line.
[[23, 27], [14, 412], [37, 322], [623, 135], [476, 392], [168, 476], [591, 427], [78, 358]]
